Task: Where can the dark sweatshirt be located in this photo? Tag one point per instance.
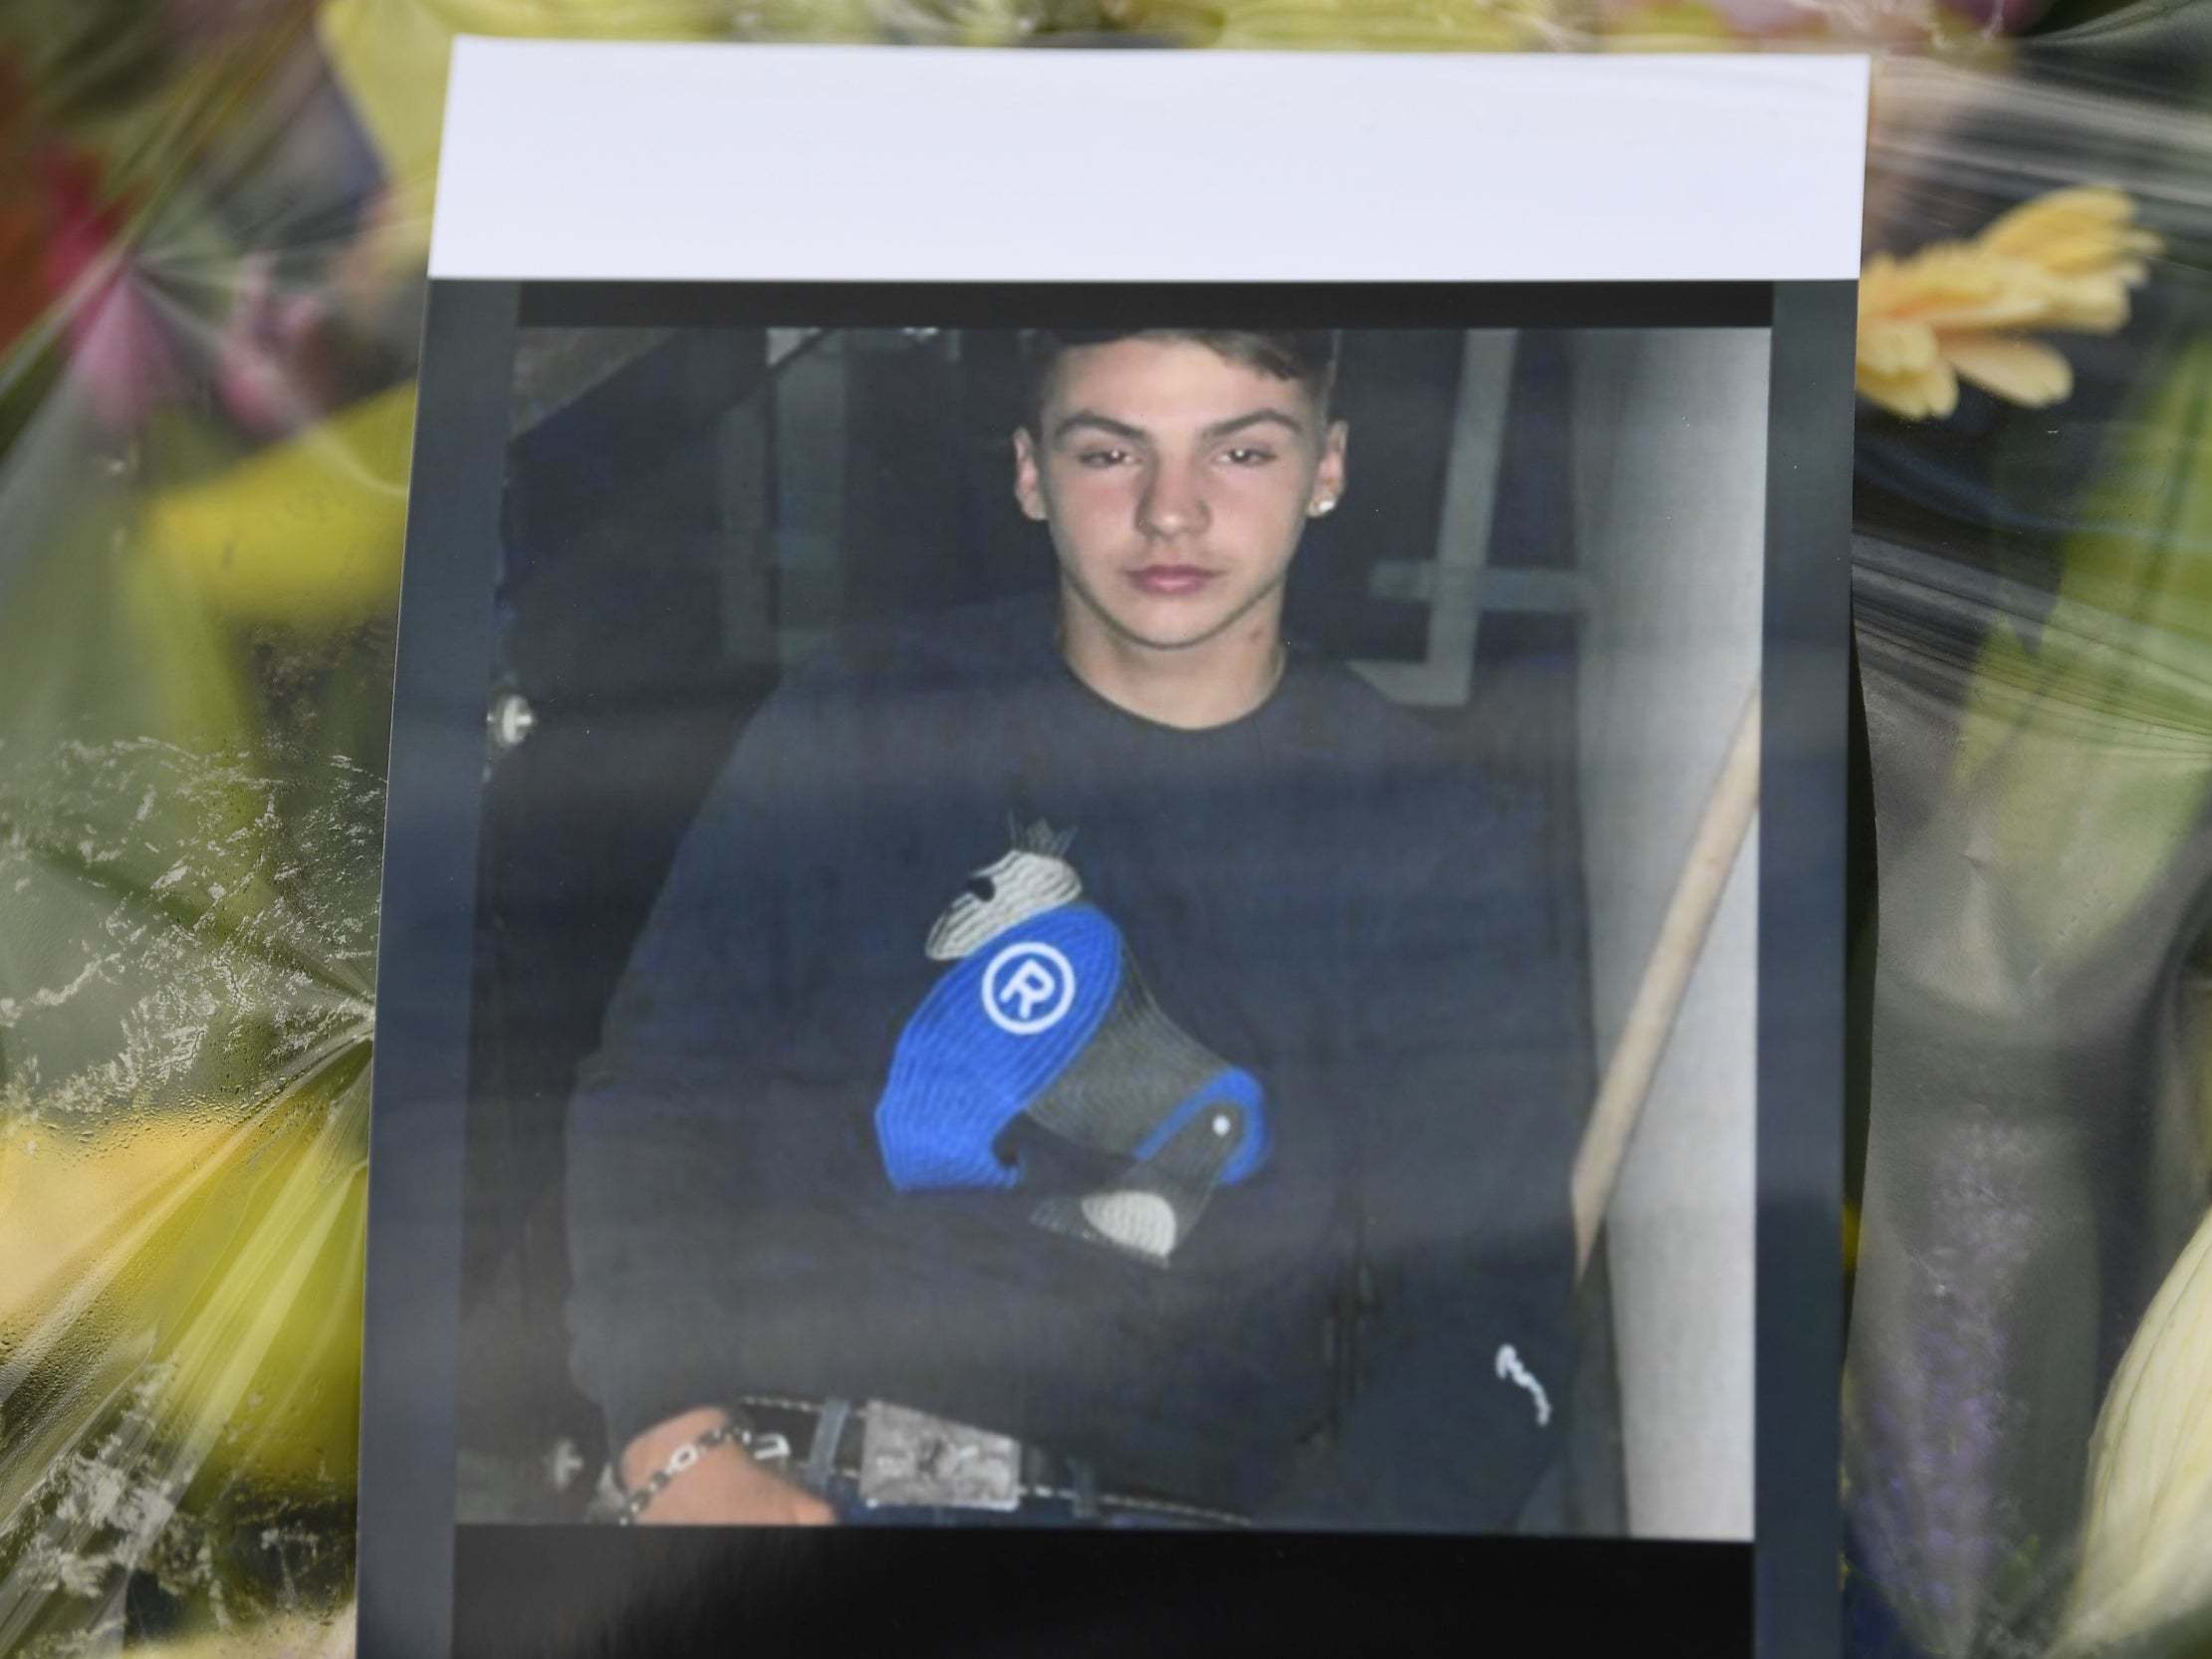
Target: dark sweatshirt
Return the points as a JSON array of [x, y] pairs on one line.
[[1368, 1327]]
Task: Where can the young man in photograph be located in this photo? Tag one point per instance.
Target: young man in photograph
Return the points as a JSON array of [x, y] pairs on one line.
[[1092, 1061]]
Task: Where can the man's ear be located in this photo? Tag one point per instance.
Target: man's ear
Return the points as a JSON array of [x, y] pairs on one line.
[[1029, 483], [1329, 473]]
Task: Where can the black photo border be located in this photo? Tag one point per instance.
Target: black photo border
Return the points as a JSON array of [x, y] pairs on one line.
[[429, 1587]]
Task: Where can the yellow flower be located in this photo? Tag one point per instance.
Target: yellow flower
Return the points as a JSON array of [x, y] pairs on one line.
[[2146, 1571], [1335, 25], [1958, 310]]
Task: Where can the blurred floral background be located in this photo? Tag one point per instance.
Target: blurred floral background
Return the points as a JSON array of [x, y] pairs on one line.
[[213, 224]]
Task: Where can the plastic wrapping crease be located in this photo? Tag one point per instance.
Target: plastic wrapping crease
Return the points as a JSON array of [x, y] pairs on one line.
[[213, 217]]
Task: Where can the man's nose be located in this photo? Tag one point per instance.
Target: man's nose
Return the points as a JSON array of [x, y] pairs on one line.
[[1174, 502]]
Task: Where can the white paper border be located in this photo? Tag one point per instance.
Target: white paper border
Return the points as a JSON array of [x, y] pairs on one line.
[[622, 162]]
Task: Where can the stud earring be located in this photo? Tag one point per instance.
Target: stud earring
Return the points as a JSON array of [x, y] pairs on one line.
[[1324, 506]]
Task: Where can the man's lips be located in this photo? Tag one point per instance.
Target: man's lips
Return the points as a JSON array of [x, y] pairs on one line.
[[1171, 580]]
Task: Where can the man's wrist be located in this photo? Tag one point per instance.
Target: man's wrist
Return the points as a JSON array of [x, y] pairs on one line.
[[647, 1450], [717, 1432]]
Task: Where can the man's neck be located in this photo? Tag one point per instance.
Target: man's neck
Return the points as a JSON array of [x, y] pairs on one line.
[[1211, 683]]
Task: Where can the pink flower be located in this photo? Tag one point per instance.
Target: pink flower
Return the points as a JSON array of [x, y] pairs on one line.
[[119, 349]]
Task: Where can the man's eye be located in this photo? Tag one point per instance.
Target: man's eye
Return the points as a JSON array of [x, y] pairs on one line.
[[1101, 457], [1248, 455]]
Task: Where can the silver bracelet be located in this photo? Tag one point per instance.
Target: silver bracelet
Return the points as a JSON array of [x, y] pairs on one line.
[[762, 1447]]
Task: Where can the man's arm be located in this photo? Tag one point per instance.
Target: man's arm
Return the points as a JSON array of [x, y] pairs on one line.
[[679, 1164], [1464, 1356]]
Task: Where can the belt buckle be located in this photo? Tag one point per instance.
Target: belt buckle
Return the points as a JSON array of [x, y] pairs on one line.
[[908, 1457]]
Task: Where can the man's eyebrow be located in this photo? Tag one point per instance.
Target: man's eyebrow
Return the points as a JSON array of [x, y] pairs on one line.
[[1258, 417], [1091, 420]]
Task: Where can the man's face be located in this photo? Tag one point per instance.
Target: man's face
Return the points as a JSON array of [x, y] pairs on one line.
[[1176, 482]]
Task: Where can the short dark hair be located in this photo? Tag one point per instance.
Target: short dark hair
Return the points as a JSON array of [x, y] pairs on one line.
[[1307, 356]]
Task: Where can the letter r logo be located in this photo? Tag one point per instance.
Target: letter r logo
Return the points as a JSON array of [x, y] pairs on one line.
[[1028, 988]]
